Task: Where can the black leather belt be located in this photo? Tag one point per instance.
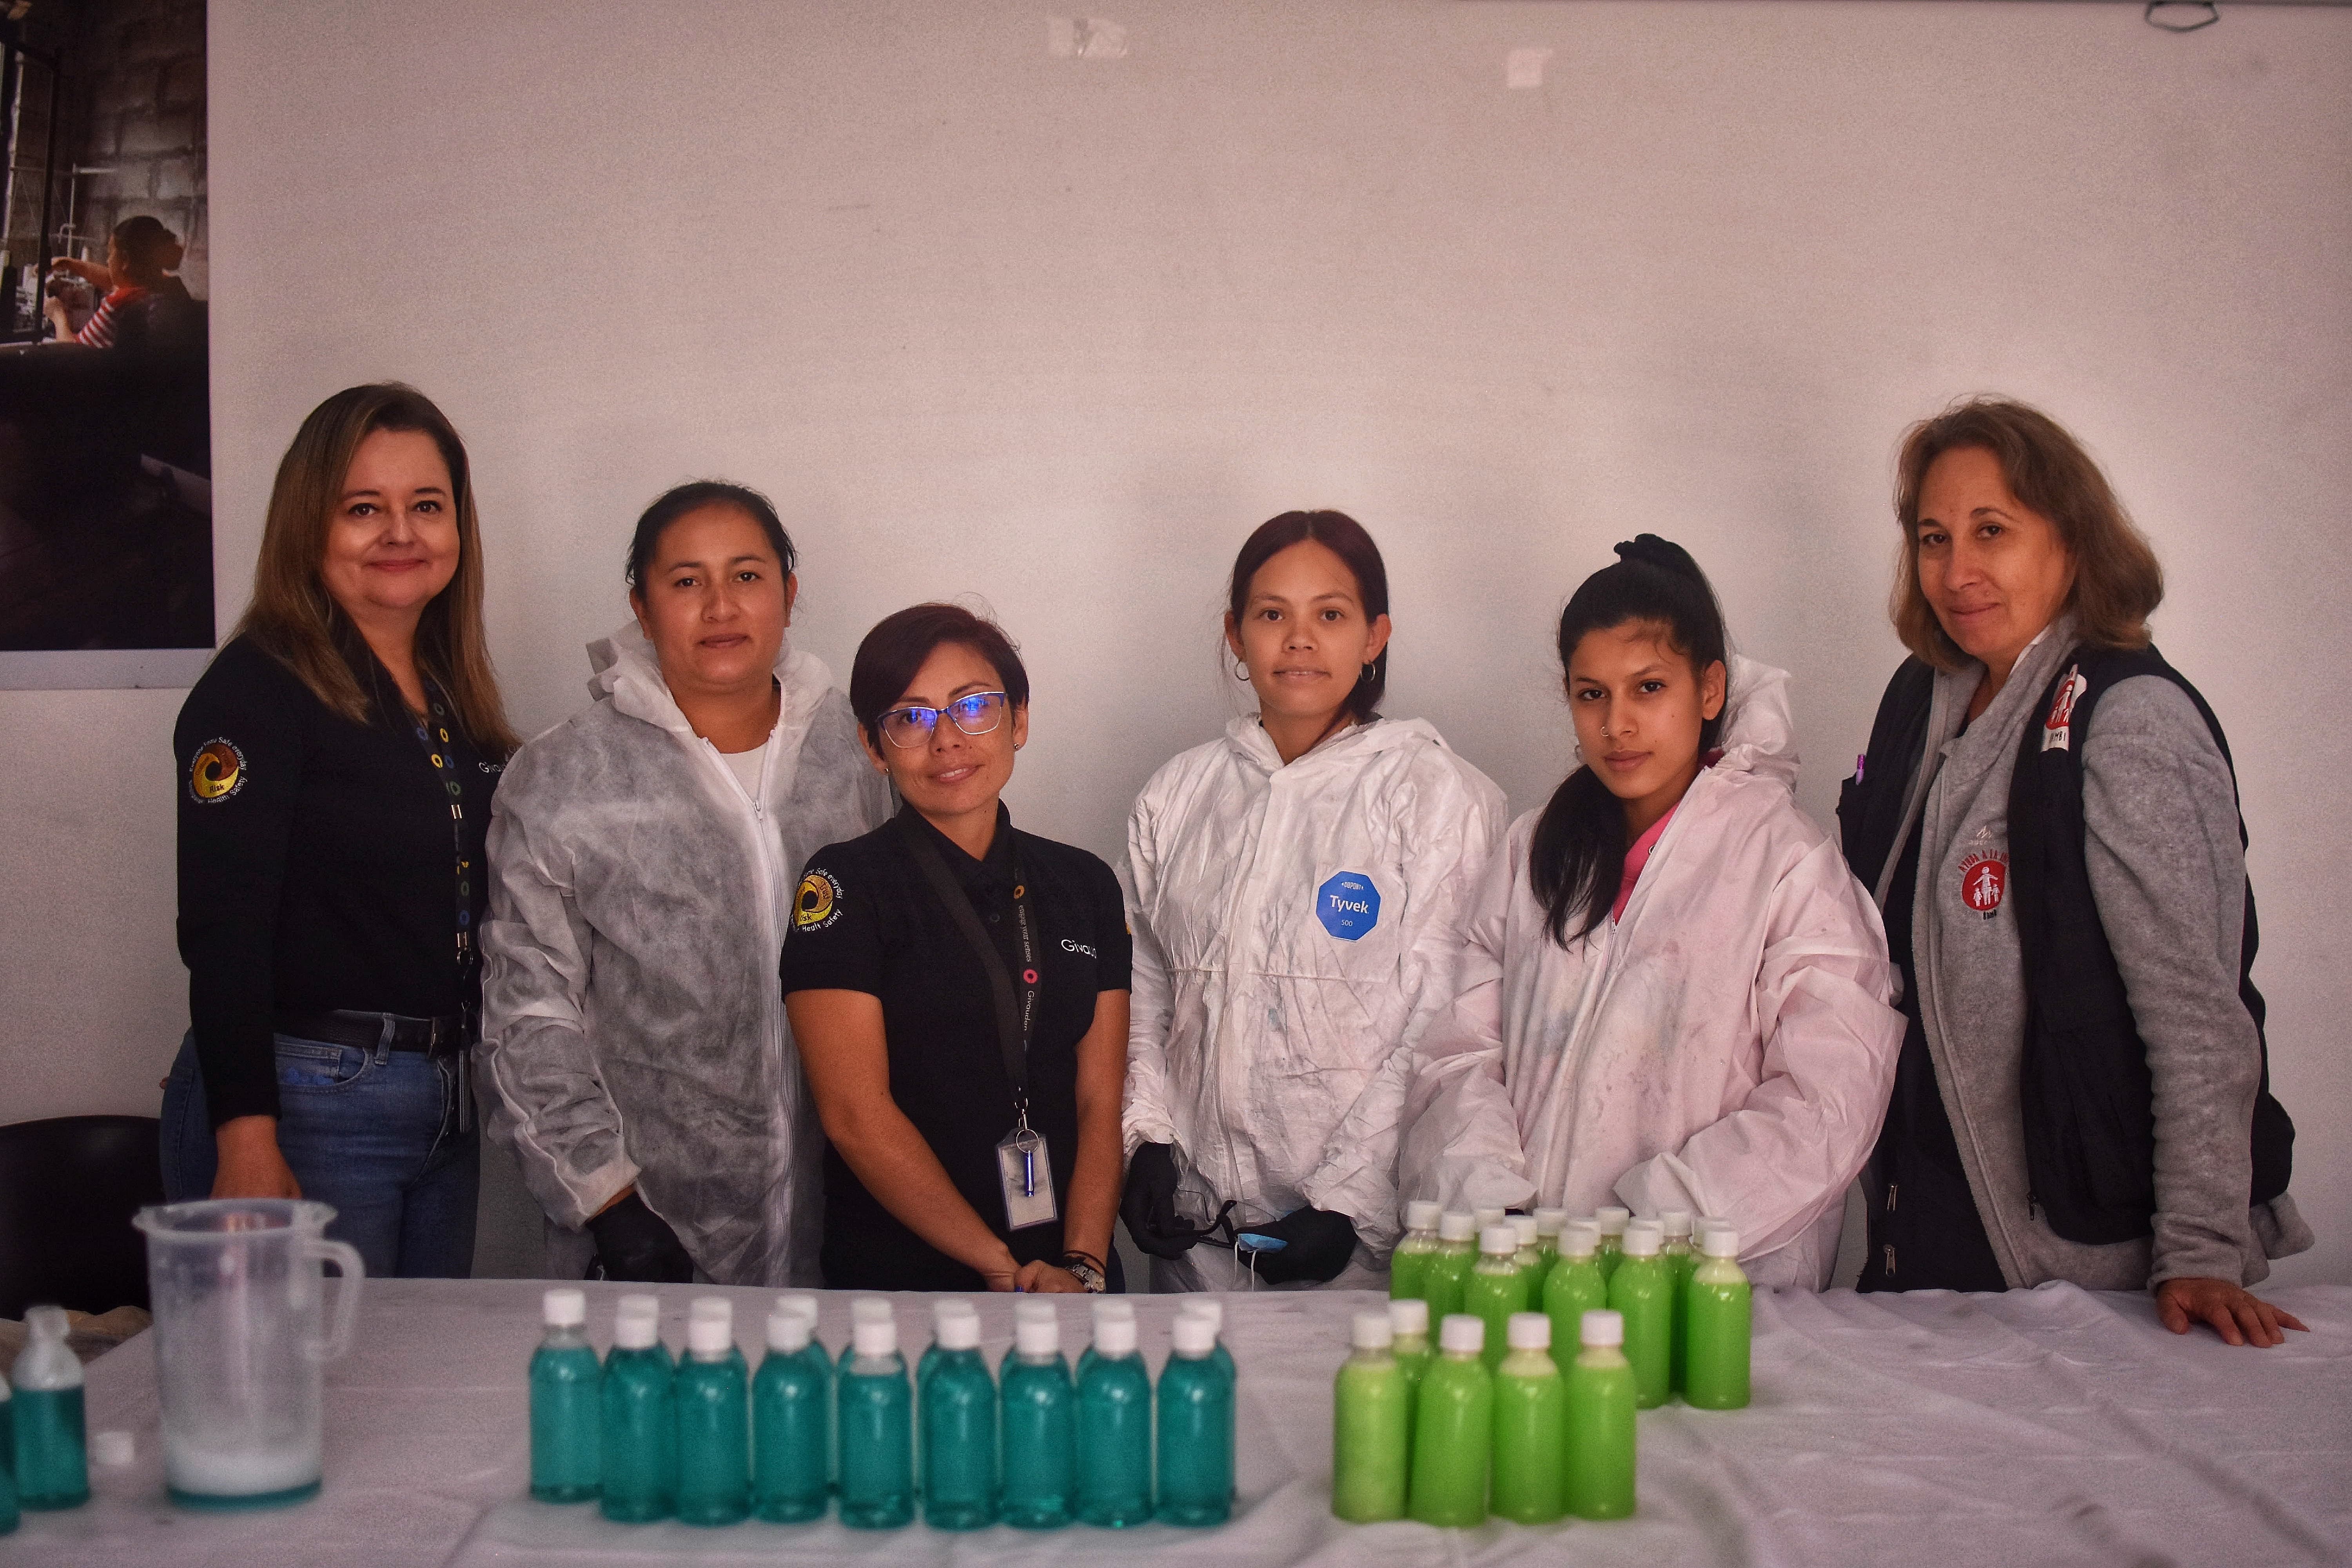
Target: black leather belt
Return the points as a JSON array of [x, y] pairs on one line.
[[365, 1031]]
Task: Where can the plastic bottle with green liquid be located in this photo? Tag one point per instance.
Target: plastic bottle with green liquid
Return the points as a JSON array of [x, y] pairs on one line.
[[1372, 1425], [877, 1426], [1409, 1264], [1547, 1226], [1410, 1320], [712, 1391], [566, 1438], [1453, 1428], [1612, 1222], [637, 1473], [1530, 1460], [1194, 1403], [791, 1430], [1720, 1329], [1450, 1265], [1040, 1422], [1495, 1287], [1576, 1286], [1600, 1421], [1529, 1257], [1641, 1292], [1682, 1257], [1115, 1429], [46, 1409]]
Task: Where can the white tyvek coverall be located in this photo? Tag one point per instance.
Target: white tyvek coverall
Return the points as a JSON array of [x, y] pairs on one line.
[[1276, 996], [633, 1026], [1726, 1047]]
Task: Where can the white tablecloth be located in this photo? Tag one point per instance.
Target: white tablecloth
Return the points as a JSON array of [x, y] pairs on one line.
[[2040, 1427]]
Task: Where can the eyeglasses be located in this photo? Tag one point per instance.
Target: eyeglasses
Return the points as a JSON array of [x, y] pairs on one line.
[[976, 713]]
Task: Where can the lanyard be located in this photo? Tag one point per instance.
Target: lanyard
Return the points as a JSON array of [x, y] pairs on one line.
[[1014, 1018], [432, 734]]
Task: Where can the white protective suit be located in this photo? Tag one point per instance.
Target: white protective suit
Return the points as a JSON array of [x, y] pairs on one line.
[[1726, 1048], [633, 1026], [1295, 928]]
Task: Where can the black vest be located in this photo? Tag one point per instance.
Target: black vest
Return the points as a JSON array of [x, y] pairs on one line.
[[2090, 1125]]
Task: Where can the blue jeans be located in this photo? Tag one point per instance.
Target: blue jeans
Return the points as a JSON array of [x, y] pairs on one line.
[[373, 1133]]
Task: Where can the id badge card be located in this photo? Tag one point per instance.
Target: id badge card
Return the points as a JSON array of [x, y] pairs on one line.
[[1026, 1173]]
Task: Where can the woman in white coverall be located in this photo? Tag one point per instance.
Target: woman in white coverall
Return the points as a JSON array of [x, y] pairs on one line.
[[1297, 893], [634, 1052], [1674, 995]]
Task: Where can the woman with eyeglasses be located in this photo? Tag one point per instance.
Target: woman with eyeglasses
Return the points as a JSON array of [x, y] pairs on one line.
[[958, 990]]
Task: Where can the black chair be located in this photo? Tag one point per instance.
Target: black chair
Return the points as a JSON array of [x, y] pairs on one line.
[[68, 1188]]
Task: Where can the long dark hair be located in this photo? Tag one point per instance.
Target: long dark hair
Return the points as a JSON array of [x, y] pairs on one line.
[[1578, 855], [1344, 537]]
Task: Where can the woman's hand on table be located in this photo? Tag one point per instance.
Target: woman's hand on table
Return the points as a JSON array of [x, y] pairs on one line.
[[1051, 1279], [2237, 1314], [250, 1165]]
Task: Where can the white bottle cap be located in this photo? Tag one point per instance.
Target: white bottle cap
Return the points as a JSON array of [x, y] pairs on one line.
[[634, 1330], [112, 1449], [1110, 1308], [563, 1309], [948, 1307], [710, 1337], [1114, 1335], [1708, 1222], [1524, 1226], [1600, 1328], [1030, 1308], [635, 1306], [876, 1336], [1498, 1240], [1548, 1221], [1409, 1316], [1462, 1334], [1373, 1331], [1721, 1242], [871, 1310], [1487, 1217], [1644, 1237], [1208, 1306], [797, 1301], [1456, 1225], [1528, 1332], [958, 1330], [1034, 1334], [1580, 1238], [787, 1332], [1193, 1336], [48, 1323], [1676, 1221], [1612, 1221], [716, 1309], [1420, 1214]]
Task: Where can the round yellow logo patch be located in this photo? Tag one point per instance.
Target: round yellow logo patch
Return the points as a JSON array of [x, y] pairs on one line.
[[217, 773], [818, 903]]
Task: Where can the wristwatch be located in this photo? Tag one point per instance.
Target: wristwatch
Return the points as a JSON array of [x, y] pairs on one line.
[[1079, 1263]]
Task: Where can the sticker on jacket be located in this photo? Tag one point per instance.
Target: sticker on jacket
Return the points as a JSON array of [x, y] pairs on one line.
[[1347, 905], [217, 773], [2057, 731], [818, 904], [1984, 881]]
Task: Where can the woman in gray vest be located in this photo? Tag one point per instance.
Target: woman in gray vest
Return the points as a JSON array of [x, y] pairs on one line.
[[2048, 817]]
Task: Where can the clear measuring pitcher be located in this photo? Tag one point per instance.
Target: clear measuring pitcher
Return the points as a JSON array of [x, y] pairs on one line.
[[239, 1357]]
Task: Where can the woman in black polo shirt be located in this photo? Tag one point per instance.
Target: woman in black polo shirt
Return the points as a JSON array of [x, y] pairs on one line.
[[969, 1093], [335, 769]]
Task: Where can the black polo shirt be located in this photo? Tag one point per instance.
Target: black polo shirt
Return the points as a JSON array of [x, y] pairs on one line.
[[867, 919]]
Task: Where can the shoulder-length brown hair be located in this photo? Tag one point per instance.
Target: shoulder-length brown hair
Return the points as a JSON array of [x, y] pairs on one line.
[[2117, 582], [294, 619]]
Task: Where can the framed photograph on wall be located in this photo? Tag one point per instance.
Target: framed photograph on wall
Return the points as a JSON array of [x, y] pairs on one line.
[[106, 545]]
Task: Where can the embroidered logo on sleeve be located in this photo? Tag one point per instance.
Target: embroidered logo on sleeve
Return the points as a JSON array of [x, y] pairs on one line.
[[2057, 731], [1984, 881], [818, 904], [217, 773], [1348, 905]]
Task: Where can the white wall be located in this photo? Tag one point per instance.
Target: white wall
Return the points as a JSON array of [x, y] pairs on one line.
[[1059, 332]]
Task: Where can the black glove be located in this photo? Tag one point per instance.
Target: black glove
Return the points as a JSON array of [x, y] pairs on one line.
[[1149, 1204], [634, 1242], [1320, 1243]]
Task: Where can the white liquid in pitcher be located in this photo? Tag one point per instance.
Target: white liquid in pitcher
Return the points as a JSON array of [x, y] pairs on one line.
[[204, 1469]]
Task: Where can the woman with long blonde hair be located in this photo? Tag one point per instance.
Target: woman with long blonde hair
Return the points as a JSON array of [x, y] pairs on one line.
[[336, 764]]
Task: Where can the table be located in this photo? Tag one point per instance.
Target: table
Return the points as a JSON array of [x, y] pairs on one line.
[[2041, 1427]]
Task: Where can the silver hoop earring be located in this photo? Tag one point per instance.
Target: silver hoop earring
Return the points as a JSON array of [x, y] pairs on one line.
[[1369, 670], [1241, 670]]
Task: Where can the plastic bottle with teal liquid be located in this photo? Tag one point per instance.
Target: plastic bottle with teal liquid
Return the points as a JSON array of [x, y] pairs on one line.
[[1040, 1422], [1530, 1461], [712, 1390], [1682, 1257], [1453, 1429], [1106, 1308], [1643, 1293], [566, 1436], [1575, 1286], [1450, 1265], [638, 1471], [1612, 1222], [877, 1426], [790, 1429], [52, 1448], [1496, 1289], [1721, 1331], [1601, 1422], [1115, 1429], [957, 1404], [1208, 1307], [1549, 1222], [1409, 1264], [1372, 1425], [1195, 1427]]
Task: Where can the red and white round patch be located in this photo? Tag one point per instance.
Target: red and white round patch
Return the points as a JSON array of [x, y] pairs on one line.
[[1984, 881]]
